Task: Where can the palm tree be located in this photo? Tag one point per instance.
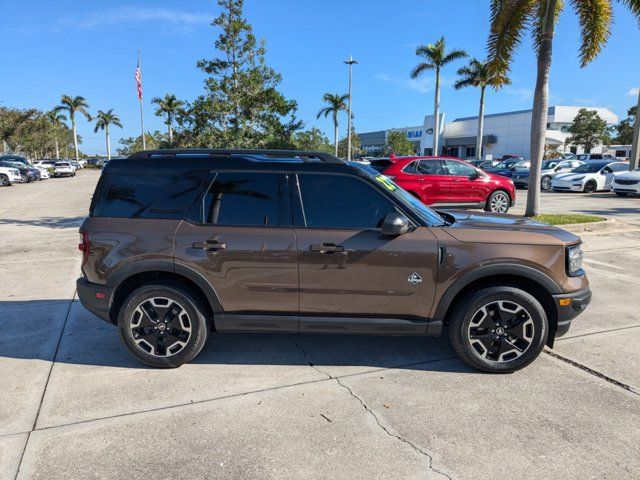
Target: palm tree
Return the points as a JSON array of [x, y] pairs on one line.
[[437, 57], [477, 74], [169, 106], [335, 103], [509, 21], [74, 105], [104, 119], [57, 120]]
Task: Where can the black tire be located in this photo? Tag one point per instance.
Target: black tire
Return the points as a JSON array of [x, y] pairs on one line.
[[590, 187], [155, 352], [621, 194], [498, 202], [4, 181], [504, 351], [545, 183]]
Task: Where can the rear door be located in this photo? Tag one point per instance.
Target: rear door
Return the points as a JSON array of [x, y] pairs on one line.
[[353, 278], [426, 178], [240, 238]]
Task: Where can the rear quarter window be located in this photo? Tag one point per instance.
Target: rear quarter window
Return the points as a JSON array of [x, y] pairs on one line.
[[145, 196]]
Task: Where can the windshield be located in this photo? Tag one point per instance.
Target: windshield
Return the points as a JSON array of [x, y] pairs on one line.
[[507, 164], [418, 208], [547, 164], [590, 167]]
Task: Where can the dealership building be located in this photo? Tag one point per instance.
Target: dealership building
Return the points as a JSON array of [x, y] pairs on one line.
[[504, 133]]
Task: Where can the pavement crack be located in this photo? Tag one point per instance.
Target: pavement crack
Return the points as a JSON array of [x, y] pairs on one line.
[[593, 372], [416, 448]]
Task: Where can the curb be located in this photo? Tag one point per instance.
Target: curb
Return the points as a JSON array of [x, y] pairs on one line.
[[609, 225]]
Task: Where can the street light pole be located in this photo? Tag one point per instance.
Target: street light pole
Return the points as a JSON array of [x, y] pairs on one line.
[[349, 62], [634, 160]]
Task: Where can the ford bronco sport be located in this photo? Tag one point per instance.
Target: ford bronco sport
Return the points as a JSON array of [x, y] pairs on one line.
[[179, 244]]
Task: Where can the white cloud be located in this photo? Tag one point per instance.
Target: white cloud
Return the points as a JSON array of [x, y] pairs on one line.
[[523, 93], [633, 92], [123, 15], [421, 85]]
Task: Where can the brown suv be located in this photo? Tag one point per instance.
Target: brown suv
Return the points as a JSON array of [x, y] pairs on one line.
[[182, 243]]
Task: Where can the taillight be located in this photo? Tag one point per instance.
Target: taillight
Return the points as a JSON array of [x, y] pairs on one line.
[[84, 246]]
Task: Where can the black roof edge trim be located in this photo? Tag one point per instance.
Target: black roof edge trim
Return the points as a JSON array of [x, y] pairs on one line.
[[305, 155]]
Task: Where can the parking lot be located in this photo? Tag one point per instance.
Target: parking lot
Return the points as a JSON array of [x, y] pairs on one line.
[[76, 405]]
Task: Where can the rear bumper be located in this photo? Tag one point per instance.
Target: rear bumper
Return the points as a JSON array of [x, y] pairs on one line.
[[88, 294], [566, 313]]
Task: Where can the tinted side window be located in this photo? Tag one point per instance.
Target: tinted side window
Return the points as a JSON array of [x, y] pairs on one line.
[[337, 201], [247, 199], [430, 167], [459, 169], [129, 195], [177, 197]]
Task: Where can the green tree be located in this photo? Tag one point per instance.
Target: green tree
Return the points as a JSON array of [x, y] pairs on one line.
[[57, 121], [478, 74], [510, 19], [335, 103], [130, 145], [241, 106], [356, 148], [312, 139], [168, 107], [31, 132], [103, 120], [398, 144], [587, 130], [624, 129], [436, 57], [73, 105]]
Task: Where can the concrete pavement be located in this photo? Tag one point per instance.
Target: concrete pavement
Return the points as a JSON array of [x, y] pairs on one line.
[[76, 405]]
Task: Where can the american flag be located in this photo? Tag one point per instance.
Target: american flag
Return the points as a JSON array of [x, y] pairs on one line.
[[139, 81]]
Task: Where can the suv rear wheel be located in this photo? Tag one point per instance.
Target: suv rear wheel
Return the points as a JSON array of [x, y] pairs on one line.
[[498, 329], [498, 202], [4, 181], [163, 325]]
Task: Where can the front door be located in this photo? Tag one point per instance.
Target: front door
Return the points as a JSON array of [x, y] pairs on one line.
[[352, 277], [465, 186], [241, 240]]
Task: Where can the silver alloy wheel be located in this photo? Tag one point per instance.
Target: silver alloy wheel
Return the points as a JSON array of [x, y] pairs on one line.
[[160, 326], [499, 202], [501, 331], [546, 183]]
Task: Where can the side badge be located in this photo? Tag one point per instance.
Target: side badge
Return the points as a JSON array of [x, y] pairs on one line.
[[414, 278]]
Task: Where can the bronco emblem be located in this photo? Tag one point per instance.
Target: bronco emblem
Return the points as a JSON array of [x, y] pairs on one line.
[[414, 278]]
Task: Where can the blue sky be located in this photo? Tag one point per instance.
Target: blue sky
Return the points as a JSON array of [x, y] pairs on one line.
[[89, 48]]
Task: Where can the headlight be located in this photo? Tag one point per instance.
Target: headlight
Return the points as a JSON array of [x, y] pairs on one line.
[[574, 260]]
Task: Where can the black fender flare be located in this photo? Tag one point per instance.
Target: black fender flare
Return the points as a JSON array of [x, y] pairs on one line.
[[486, 271], [144, 266]]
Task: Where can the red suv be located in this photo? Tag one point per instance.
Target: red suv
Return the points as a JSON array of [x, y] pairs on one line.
[[449, 181]]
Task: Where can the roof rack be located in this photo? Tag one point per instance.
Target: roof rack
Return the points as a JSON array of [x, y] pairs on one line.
[[304, 155]]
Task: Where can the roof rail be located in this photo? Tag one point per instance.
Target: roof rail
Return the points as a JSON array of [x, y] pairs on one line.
[[304, 155]]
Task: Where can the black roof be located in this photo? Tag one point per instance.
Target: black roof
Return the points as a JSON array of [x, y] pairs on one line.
[[182, 160]]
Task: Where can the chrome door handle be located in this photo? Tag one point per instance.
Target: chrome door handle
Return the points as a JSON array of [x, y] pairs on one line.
[[209, 245], [326, 248]]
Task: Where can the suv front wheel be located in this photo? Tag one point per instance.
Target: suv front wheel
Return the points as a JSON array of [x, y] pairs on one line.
[[498, 329], [498, 202], [163, 325]]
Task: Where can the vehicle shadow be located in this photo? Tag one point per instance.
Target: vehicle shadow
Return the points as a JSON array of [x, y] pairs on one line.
[[32, 329], [50, 222]]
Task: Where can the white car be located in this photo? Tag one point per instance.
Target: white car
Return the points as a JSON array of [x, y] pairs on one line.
[[64, 169], [44, 171], [591, 177], [9, 175], [551, 168], [82, 163], [627, 183]]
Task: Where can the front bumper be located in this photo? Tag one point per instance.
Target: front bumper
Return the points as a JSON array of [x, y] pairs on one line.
[[567, 186], [88, 294], [627, 189], [569, 306]]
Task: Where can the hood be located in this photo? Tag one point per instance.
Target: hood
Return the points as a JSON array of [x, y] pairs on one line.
[[635, 175], [499, 228]]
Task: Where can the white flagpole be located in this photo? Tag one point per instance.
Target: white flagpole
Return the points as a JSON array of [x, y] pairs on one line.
[[144, 142]]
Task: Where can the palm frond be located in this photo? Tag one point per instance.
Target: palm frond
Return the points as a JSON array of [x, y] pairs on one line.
[[456, 54], [421, 68], [595, 18], [464, 82], [509, 20], [634, 6]]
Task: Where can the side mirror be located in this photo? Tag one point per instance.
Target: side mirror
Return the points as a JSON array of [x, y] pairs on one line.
[[474, 175], [395, 224]]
